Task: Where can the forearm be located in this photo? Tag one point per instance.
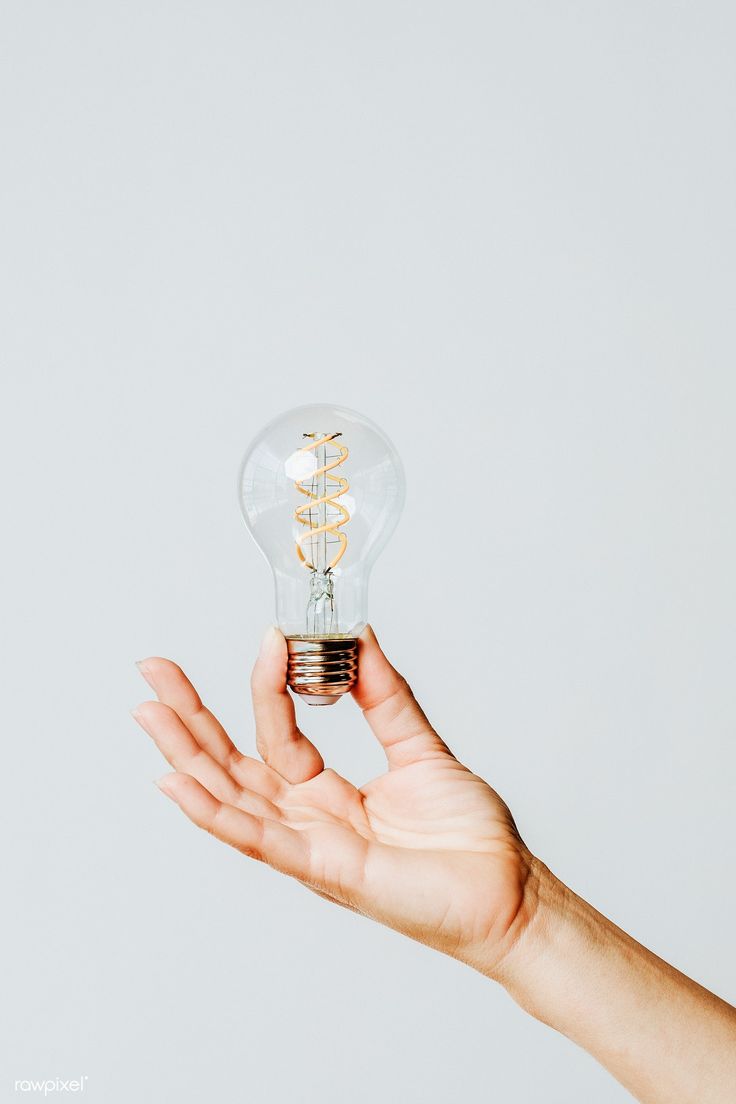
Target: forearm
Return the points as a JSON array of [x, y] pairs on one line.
[[664, 1037]]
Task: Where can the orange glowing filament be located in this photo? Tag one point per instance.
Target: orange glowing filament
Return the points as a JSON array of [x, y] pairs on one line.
[[322, 515]]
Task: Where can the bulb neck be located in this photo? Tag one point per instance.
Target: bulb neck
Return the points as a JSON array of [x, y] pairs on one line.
[[321, 670]]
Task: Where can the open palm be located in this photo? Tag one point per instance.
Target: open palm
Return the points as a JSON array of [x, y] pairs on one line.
[[427, 848]]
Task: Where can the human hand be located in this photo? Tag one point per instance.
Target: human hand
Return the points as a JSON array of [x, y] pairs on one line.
[[427, 848]]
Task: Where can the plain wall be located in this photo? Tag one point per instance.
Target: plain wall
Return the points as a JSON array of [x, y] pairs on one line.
[[506, 232]]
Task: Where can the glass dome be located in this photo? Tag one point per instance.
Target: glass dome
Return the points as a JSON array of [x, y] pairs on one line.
[[321, 489]]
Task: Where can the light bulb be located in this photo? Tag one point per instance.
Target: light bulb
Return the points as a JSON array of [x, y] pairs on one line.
[[321, 489]]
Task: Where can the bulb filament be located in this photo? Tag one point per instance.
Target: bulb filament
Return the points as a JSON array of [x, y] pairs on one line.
[[322, 515]]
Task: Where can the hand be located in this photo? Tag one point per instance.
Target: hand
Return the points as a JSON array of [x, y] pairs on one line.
[[427, 848]]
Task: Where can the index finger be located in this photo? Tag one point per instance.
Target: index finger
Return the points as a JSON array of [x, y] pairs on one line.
[[174, 689]]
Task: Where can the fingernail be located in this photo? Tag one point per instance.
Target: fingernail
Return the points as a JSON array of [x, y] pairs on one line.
[[268, 641], [144, 670], [163, 785], [138, 716]]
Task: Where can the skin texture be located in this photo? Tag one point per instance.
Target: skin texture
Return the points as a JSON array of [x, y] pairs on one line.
[[429, 849]]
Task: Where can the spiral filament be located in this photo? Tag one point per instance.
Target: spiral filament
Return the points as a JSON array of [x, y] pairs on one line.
[[322, 545]]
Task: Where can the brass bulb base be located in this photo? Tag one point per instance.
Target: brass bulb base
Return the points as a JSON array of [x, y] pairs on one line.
[[322, 669]]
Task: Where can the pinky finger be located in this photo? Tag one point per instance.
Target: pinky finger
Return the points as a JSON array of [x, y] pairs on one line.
[[266, 840]]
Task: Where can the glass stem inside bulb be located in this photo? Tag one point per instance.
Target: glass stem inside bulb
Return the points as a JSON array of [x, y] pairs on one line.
[[321, 607]]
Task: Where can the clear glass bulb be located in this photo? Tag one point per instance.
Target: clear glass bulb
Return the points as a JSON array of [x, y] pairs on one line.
[[321, 489]]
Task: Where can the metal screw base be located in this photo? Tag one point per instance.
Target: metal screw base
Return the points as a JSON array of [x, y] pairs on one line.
[[321, 670]]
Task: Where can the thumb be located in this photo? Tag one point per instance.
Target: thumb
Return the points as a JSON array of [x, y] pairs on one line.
[[392, 711]]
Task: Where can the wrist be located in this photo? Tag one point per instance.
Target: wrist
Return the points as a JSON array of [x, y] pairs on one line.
[[543, 905], [552, 926], [518, 938], [559, 940], [664, 1037]]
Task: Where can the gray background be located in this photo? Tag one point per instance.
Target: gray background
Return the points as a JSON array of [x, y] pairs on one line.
[[504, 231]]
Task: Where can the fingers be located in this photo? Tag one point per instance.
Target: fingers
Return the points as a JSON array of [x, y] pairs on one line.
[[278, 739], [260, 838], [174, 689], [391, 709], [178, 747], [329, 859]]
